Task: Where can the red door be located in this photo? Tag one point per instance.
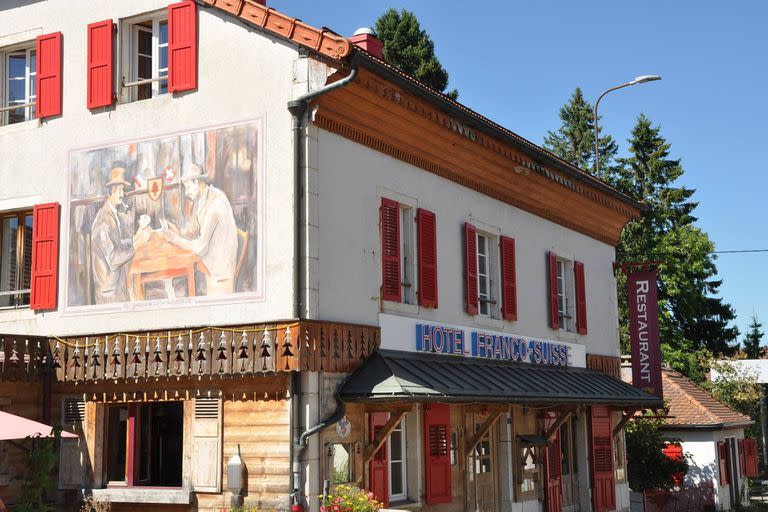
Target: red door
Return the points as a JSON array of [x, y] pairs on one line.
[[603, 481], [378, 468], [553, 467]]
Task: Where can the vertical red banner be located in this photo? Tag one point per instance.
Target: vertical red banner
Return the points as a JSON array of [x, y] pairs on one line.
[[643, 304]]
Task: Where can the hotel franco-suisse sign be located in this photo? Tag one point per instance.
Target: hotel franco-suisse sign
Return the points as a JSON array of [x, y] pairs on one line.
[[415, 335]]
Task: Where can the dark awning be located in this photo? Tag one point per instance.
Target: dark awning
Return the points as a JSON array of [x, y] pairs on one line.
[[395, 376]]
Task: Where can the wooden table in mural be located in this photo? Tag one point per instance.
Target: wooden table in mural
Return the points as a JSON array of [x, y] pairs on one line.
[[160, 260]]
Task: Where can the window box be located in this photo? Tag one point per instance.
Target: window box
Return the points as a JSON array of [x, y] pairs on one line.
[[153, 495]]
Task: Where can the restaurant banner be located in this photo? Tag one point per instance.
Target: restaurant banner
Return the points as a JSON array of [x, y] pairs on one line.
[[644, 331]]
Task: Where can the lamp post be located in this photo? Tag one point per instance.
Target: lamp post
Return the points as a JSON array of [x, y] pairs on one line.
[[638, 80]]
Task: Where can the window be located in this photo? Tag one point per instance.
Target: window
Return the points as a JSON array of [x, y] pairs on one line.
[[529, 469], [482, 454], [398, 251], [398, 487], [565, 295], [19, 82], [15, 259], [486, 276], [407, 255], [145, 63], [144, 444], [342, 465]]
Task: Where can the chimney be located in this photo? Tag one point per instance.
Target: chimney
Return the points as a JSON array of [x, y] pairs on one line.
[[366, 39]]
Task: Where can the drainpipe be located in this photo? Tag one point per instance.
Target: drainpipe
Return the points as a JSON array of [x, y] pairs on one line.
[[298, 109]]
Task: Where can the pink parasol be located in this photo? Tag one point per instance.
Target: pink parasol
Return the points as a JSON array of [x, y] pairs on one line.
[[16, 427]]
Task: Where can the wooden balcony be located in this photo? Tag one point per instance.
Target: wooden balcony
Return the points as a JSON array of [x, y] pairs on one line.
[[207, 352]]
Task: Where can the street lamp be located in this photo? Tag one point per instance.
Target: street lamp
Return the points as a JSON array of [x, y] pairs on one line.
[[638, 80]]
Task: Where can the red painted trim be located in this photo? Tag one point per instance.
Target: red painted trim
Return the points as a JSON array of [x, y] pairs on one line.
[[427, 235], [508, 279], [470, 268], [49, 71], [45, 256], [554, 310], [437, 454], [132, 428], [581, 297], [182, 46], [390, 250], [100, 64]]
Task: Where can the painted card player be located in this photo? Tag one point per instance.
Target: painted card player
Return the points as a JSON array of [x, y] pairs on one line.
[[212, 232], [112, 247]]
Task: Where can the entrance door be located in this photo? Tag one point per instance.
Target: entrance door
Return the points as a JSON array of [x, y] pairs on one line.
[[569, 473], [553, 467], [482, 470]]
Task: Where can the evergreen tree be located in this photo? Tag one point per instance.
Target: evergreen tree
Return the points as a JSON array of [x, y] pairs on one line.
[[752, 340], [574, 141], [693, 321], [410, 48]]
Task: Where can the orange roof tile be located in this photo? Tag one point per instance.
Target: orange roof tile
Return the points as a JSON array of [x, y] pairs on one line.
[[691, 406], [323, 41]]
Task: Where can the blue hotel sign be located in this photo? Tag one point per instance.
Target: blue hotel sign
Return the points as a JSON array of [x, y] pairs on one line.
[[453, 340]]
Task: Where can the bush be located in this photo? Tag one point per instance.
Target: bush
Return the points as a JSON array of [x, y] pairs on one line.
[[348, 498]]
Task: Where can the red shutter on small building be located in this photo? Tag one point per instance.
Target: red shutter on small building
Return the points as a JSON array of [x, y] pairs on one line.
[[674, 451], [750, 458], [390, 250], [470, 267], [742, 458], [378, 468], [45, 256], [554, 310], [48, 86], [581, 297], [437, 447], [427, 234], [182, 46], [722, 458], [603, 481], [100, 62], [508, 279]]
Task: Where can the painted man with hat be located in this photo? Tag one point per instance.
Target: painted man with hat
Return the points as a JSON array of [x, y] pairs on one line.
[[112, 246], [212, 233]]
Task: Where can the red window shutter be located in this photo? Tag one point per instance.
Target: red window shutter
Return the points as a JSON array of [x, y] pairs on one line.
[[722, 455], [750, 457], [48, 62], [437, 446], [470, 267], [554, 310], [390, 250], [182, 46], [742, 458], [674, 451], [553, 467], [378, 468], [581, 297], [508, 279], [603, 480], [100, 62], [427, 233], [45, 256]]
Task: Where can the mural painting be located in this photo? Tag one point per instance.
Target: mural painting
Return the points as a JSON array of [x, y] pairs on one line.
[[169, 218]]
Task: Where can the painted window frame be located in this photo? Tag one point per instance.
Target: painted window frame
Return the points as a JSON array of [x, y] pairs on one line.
[[29, 50], [403, 461], [19, 296], [129, 55], [566, 295], [488, 303]]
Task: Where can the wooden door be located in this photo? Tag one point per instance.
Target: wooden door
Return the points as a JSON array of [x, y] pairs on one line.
[[482, 470], [603, 480], [553, 467]]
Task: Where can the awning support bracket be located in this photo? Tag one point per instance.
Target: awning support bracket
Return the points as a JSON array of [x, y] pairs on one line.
[[380, 438], [625, 418], [562, 418], [493, 416]]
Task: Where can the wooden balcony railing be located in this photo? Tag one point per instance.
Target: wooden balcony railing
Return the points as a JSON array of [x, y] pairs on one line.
[[207, 352]]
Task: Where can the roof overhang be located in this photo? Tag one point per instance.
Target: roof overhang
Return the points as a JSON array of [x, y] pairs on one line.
[[395, 376]]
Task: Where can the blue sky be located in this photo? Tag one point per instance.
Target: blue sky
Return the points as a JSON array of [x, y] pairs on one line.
[[518, 62]]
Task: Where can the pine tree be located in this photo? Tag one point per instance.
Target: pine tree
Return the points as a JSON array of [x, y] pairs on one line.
[[574, 141], [410, 48], [693, 321], [752, 340]]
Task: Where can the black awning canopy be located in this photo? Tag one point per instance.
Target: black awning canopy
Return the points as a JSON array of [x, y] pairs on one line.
[[395, 376]]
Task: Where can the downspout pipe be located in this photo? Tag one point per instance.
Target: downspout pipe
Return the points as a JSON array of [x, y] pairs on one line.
[[298, 109]]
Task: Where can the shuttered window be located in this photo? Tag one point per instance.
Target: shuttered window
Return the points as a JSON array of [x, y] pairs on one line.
[[100, 64], [182, 46], [470, 268], [603, 480], [427, 242], [206, 452], [73, 453], [389, 221], [581, 298], [49, 74], [437, 442], [45, 256], [722, 459], [750, 458], [552, 272], [508, 279]]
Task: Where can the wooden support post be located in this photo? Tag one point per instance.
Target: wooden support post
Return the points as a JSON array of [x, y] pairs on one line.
[[562, 418], [493, 416], [394, 420], [628, 415]]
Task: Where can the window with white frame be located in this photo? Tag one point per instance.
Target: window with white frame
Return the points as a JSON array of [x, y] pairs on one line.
[[407, 254], [15, 258], [486, 275], [565, 298], [19, 83], [398, 478], [144, 62]]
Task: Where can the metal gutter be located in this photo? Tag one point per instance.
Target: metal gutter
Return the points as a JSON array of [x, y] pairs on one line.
[[481, 123]]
